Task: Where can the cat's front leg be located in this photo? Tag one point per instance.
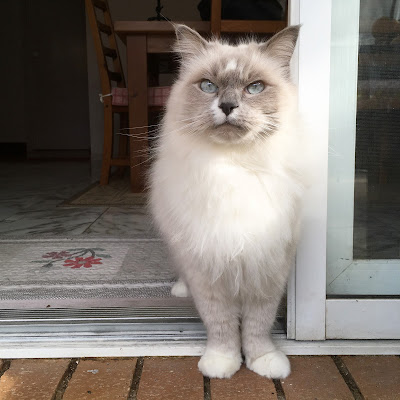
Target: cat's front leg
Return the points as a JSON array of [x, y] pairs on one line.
[[261, 354], [219, 311]]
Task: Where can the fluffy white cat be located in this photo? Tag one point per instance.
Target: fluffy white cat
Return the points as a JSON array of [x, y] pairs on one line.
[[226, 189]]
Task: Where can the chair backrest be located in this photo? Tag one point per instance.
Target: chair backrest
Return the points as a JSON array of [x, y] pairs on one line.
[[241, 26], [108, 59]]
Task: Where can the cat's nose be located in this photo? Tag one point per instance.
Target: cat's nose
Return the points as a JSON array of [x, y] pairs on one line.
[[227, 107]]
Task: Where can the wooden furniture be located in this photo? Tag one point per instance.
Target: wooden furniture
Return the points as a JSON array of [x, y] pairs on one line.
[[143, 38], [219, 26], [111, 74]]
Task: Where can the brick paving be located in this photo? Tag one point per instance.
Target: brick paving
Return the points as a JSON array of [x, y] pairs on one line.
[[101, 379], [171, 378], [175, 378], [315, 377], [377, 377], [244, 385], [31, 379]]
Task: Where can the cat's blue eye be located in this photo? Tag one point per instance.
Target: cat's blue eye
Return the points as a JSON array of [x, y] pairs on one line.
[[208, 87], [255, 87]]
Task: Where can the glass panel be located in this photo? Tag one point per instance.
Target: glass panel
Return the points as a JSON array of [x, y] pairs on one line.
[[364, 164]]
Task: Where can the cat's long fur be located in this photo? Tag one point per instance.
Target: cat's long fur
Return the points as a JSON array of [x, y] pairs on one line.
[[226, 197]]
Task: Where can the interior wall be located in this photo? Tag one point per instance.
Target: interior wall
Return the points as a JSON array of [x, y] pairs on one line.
[[56, 98], [44, 77], [134, 10], [12, 73]]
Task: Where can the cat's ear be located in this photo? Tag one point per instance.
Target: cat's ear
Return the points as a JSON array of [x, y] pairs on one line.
[[188, 42], [281, 45]]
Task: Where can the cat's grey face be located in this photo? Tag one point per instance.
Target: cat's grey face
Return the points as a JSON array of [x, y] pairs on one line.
[[233, 93], [234, 97]]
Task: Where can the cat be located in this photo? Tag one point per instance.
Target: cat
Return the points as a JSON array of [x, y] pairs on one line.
[[226, 189]]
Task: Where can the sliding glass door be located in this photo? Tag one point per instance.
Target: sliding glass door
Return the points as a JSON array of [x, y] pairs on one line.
[[363, 233], [355, 288]]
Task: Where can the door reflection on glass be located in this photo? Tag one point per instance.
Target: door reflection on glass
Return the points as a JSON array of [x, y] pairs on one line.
[[377, 163]]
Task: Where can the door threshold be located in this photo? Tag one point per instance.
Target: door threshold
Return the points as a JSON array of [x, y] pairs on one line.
[[104, 331], [120, 347]]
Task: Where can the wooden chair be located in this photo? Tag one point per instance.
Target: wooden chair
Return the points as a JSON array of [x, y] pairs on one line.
[[219, 26], [111, 74]]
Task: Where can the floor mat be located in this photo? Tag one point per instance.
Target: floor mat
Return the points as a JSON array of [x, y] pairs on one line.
[[79, 268]]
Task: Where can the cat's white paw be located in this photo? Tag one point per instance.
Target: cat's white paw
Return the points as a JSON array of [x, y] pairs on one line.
[[273, 365], [215, 364], [179, 289]]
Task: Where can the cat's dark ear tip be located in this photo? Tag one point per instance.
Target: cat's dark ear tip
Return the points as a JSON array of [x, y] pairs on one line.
[[291, 33], [189, 40], [179, 28], [182, 30], [294, 28]]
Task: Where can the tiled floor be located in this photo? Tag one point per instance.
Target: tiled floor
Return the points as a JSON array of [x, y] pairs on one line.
[[31, 195], [177, 378]]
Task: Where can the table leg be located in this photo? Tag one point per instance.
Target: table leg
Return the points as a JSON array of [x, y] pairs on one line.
[[138, 111]]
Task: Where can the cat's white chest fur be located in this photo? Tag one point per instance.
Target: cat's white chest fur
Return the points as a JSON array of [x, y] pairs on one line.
[[218, 206]]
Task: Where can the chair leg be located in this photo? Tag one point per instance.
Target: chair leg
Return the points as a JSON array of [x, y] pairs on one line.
[[122, 143], [123, 140], [108, 141]]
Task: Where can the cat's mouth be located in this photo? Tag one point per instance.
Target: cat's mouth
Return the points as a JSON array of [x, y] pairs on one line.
[[229, 132], [228, 123]]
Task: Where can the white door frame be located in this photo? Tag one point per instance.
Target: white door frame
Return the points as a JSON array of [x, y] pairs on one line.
[[307, 288]]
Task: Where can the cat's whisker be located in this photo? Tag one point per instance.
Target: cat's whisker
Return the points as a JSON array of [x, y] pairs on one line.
[[140, 127], [142, 137], [159, 125], [146, 132], [148, 159], [137, 137], [181, 128], [154, 137], [269, 127], [195, 117], [155, 149], [142, 151]]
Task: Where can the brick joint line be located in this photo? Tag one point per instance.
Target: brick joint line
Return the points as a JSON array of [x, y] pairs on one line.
[[64, 381], [280, 393], [133, 391], [207, 388], [348, 378], [5, 366]]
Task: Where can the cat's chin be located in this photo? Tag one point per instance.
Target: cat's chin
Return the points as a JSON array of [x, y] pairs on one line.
[[228, 133]]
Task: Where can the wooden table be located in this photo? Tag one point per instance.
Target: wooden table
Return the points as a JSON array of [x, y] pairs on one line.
[[142, 38]]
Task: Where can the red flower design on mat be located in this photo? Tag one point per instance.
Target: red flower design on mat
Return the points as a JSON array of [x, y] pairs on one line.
[[82, 262], [56, 254]]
